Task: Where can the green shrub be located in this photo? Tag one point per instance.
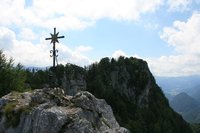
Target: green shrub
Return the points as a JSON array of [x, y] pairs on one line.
[[13, 113], [12, 77]]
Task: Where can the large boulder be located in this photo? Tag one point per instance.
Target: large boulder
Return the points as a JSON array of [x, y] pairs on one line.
[[50, 111]]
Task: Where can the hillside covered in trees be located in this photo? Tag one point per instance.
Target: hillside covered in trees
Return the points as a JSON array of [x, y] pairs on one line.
[[125, 83]]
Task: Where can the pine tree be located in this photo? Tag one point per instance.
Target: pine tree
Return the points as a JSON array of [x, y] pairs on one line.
[[12, 78]]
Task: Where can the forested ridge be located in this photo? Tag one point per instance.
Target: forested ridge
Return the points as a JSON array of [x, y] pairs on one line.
[[125, 83]]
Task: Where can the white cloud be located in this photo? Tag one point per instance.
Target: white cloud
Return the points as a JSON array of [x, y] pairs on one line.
[[116, 54], [72, 14], [6, 38], [27, 34], [185, 38], [119, 53], [63, 14], [38, 54], [179, 5], [175, 65], [77, 57], [82, 48], [11, 11]]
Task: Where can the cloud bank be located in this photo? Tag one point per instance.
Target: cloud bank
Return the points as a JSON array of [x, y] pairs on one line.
[[20, 20], [30, 54], [72, 14], [184, 37], [179, 5]]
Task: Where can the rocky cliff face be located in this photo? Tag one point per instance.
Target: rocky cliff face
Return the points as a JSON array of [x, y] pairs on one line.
[[73, 86], [50, 111], [71, 78], [137, 101]]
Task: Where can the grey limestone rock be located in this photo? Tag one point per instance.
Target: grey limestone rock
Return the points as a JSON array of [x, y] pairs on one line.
[[50, 111]]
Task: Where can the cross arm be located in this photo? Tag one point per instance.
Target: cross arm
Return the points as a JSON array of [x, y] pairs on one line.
[[60, 36], [48, 38]]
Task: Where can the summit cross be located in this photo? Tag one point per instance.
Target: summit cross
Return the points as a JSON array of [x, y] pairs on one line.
[[54, 38]]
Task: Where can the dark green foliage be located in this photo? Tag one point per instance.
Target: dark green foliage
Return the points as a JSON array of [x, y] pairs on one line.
[[59, 72], [67, 73], [53, 77], [99, 75], [11, 77], [73, 71], [13, 110], [169, 121], [37, 79], [12, 116], [113, 79]]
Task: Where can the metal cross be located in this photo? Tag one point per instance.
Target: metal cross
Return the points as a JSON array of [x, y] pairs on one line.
[[54, 38]]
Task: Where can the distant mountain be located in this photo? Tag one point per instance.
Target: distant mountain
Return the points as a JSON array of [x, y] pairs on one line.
[[193, 116], [187, 106], [36, 68], [176, 85], [183, 94], [195, 92], [184, 103]]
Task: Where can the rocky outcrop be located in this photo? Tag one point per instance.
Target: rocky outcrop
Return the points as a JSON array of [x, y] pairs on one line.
[[137, 101], [50, 111], [73, 86], [71, 78]]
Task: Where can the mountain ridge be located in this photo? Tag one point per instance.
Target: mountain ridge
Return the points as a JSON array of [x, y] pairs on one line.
[[140, 93], [128, 87]]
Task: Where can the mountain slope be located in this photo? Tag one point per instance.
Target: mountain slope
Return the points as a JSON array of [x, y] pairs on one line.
[[129, 88], [195, 92], [137, 101], [187, 106], [192, 116], [184, 103]]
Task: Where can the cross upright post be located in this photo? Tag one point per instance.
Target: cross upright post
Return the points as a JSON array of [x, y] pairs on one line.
[[54, 38]]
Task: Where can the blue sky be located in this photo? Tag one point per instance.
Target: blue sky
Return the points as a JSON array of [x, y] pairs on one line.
[[165, 33]]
